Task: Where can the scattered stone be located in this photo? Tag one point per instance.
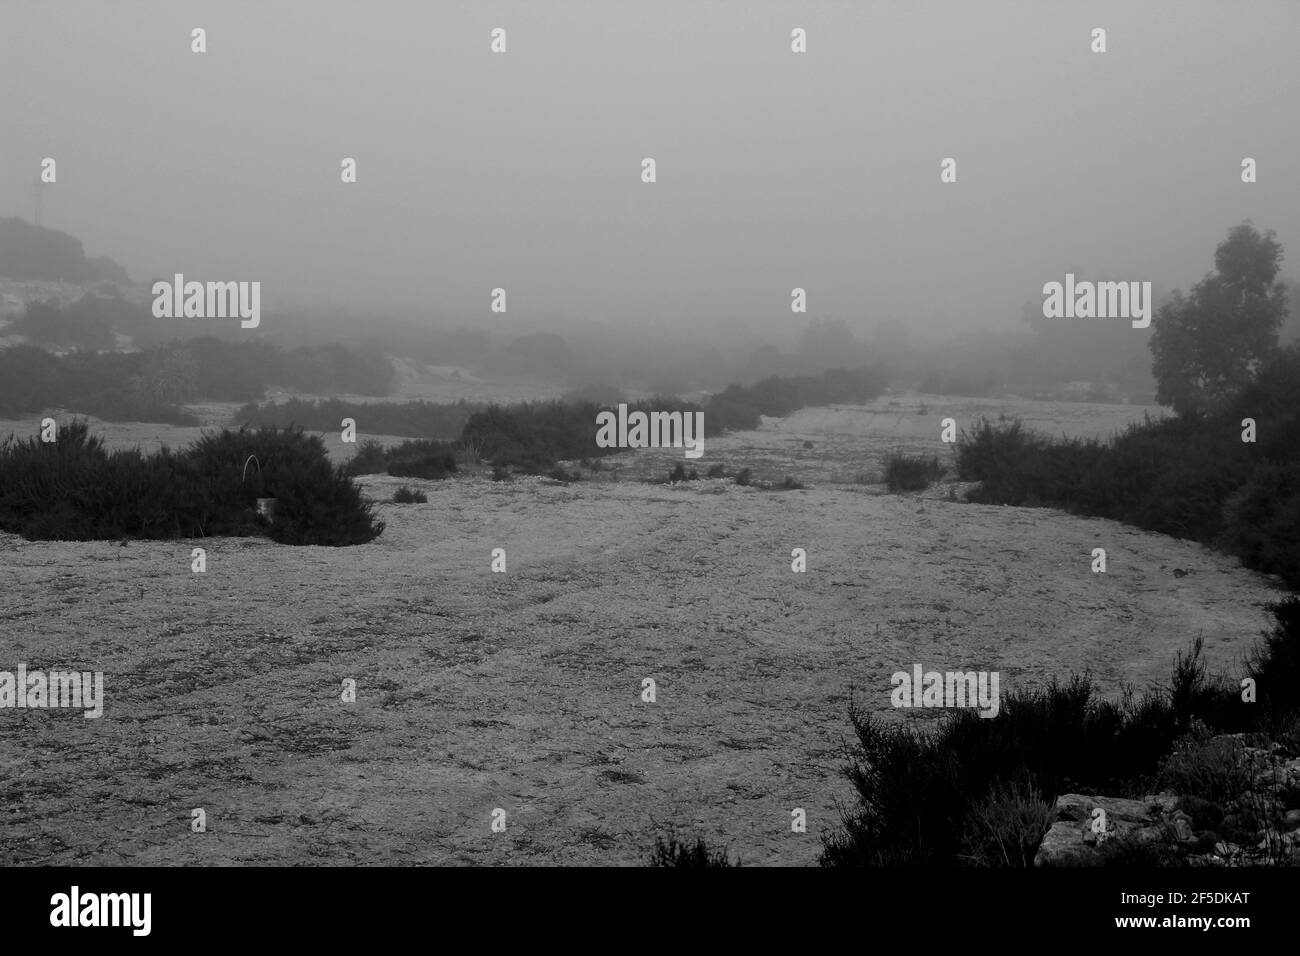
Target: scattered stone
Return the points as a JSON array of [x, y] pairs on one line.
[[1063, 846], [1159, 817], [1164, 802], [1075, 806]]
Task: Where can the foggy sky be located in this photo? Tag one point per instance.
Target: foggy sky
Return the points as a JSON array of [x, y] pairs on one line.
[[775, 170]]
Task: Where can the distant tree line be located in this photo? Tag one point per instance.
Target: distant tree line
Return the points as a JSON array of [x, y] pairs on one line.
[[153, 384], [534, 436], [416, 419]]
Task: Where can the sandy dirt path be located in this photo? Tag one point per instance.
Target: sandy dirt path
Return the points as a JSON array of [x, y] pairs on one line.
[[522, 690]]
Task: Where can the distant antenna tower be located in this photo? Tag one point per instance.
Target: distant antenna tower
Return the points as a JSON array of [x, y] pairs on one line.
[[38, 197]]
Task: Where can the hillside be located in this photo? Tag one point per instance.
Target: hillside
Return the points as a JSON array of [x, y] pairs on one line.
[[30, 252]]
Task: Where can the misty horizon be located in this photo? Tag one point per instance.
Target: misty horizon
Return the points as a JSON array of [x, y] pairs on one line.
[[478, 433], [477, 171]]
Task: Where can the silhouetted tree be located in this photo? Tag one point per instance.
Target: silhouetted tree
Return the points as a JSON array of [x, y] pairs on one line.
[[1209, 344]]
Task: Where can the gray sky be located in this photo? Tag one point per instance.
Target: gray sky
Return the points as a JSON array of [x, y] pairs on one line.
[[775, 170]]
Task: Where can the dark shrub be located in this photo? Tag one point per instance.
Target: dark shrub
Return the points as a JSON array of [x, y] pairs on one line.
[[1261, 521], [1195, 696], [674, 851], [738, 407], [910, 800], [1007, 458], [1191, 476], [533, 436], [911, 472], [1203, 770], [925, 795], [1205, 814], [1006, 827], [405, 496], [72, 489], [370, 459], [316, 503], [315, 509], [410, 459], [1274, 663], [430, 466]]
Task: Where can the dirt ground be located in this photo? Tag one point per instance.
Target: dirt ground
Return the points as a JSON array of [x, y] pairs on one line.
[[522, 690]]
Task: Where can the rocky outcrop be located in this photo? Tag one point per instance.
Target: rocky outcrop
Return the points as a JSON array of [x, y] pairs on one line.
[[1258, 825]]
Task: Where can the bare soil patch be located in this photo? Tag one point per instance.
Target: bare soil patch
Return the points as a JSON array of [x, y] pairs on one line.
[[522, 690]]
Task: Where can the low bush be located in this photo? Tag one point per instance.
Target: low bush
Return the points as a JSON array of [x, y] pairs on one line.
[[410, 459], [1178, 477], [1261, 521], [1208, 772], [972, 789], [316, 503], [911, 472], [1006, 827], [72, 489], [1274, 663], [738, 407], [1190, 476], [533, 436], [677, 851], [371, 458]]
